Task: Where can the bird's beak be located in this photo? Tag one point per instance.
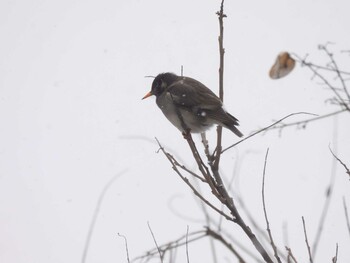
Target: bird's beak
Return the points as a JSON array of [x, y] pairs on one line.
[[147, 95]]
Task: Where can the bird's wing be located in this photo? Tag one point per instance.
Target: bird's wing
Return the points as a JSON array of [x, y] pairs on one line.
[[188, 92]]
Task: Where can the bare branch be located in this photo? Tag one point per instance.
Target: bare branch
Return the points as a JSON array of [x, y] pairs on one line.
[[181, 241], [306, 241], [305, 122], [190, 185], [221, 16], [346, 215], [265, 213], [126, 247], [290, 254], [336, 69], [325, 81], [220, 238], [206, 145], [340, 161], [323, 216], [317, 67], [188, 258], [264, 129], [155, 242], [335, 258]]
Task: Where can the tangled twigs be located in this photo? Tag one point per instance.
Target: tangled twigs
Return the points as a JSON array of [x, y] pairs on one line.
[[195, 191]]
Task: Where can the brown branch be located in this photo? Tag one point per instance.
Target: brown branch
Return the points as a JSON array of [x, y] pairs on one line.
[[265, 213], [264, 129], [221, 16], [219, 190], [195, 191], [185, 168], [229, 203], [206, 145], [203, 168], [306, 241]]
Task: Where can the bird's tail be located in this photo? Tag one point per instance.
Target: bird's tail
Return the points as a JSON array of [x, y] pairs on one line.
[[226, 120], [231, 124], [235, 130]]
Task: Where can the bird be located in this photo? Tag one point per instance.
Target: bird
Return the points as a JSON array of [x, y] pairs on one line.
[[189, 105]]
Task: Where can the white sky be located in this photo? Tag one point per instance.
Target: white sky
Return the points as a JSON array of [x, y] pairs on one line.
[[71, 83]]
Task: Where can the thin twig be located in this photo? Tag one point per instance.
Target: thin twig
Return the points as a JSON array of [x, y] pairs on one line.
[[340, 161], [221, 17], [310, 64], [155, 242], [126, 246], [220, 238], [190, 185], [346, 215], [204, 169], [192, 237], [188, 258], [306, 241], [266, 128], [208, 221], [329, 194], [304, 122], [265, 213], [96, 213], [316, 73], [291, 254], [206, 145], [335, 258], [336, 69]]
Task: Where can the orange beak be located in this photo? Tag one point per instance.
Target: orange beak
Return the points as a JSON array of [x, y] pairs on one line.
[[147, 95]]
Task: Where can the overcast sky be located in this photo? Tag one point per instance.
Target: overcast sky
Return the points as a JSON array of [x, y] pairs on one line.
[[71, 83]]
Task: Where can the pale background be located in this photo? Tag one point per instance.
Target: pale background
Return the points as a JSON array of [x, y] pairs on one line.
[[71, 83]]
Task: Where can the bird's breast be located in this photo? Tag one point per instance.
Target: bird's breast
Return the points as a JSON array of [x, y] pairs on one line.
[[181, 117]]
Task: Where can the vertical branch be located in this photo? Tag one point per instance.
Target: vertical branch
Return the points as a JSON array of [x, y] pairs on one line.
[[126, 247], [265, 213], [306, 241], [155, 242], [221, 50], [335, 258], [346, 215], [188, 258], [221, 16]]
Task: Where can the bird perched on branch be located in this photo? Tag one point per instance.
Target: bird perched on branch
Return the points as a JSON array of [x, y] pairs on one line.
[[189, 105]]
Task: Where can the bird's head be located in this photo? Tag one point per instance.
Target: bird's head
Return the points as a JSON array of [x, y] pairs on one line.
[[160, 84]]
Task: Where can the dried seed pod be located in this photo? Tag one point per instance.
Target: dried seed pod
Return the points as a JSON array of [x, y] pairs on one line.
[[284, 64]]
